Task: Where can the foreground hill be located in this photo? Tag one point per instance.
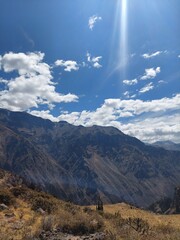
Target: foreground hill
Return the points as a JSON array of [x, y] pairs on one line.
[[78, 164], [29, 214]]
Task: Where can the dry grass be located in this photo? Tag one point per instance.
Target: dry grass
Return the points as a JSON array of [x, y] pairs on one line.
[[154, 220], [124, 222], [28, 222], [119, 221]]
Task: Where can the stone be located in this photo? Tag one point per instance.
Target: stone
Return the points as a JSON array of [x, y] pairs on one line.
[[3, 207], [9, 215], [40, 210]]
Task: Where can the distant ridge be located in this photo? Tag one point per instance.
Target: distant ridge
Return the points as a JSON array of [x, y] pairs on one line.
[[168, 145]]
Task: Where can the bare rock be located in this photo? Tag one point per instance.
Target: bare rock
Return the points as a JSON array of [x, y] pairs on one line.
[[41, 211], [3, 207], [9, 214]]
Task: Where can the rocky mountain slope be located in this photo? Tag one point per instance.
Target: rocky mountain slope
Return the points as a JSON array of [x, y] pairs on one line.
[[78, 163], [167, 205]]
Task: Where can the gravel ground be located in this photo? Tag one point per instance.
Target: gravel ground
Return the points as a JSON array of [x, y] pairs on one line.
[[61, 236]]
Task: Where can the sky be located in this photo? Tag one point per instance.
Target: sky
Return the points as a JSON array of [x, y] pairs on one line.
[[94, 62]]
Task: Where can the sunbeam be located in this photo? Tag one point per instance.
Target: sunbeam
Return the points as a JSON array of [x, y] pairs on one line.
[[123, 41], [118, 62]]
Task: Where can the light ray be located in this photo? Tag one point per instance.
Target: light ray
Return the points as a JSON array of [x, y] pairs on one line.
[[118, 62], [123, 43]]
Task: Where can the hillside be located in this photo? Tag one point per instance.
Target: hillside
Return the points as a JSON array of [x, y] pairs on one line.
[[27, 213], [78, 164], [30, 214]]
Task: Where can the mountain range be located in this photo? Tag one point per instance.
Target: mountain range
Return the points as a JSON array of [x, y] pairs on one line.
[[168, 145], [79, 163]]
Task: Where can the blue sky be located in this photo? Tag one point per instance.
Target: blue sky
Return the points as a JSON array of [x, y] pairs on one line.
[[110, 63]]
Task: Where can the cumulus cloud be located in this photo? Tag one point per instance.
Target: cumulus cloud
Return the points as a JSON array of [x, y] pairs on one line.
[[149, 121], [25, 64], [155, 128], [151, 73], [146, 120], [94, 61], [3, 81], [147, 88], [93, 20], [130, 82], [34, 84], [68, 65], [46, 114], [151, 55]]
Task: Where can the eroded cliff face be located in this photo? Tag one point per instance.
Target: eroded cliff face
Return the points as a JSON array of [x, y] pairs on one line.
[[78, 164]]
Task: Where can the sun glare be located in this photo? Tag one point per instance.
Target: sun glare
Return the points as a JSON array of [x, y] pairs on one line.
[[123, 39], [120, 32]]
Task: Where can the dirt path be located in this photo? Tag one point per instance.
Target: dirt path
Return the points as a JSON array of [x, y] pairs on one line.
[[61, 236]]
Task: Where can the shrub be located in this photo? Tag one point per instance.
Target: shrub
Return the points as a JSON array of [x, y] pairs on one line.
[[2, 174], [6, 197], [139, 225], [48, 223], [80, 227], [87, 210], [45, 204], [79, 223], [19, 191]]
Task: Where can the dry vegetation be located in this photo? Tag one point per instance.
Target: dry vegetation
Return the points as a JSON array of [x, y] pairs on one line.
[[28, 212], [125, 222]]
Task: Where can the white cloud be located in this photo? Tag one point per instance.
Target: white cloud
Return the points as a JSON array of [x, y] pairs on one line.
[[148, 120], [126, 94], [94, 61], [147, 88], [44, 114], [33, 86], [151, 55], [130, 82], [155, 128], [25, 64], [150, 73], [3, 81], [162, 82], [97, 65], [92, 21], [68, 65], [178, 56]]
